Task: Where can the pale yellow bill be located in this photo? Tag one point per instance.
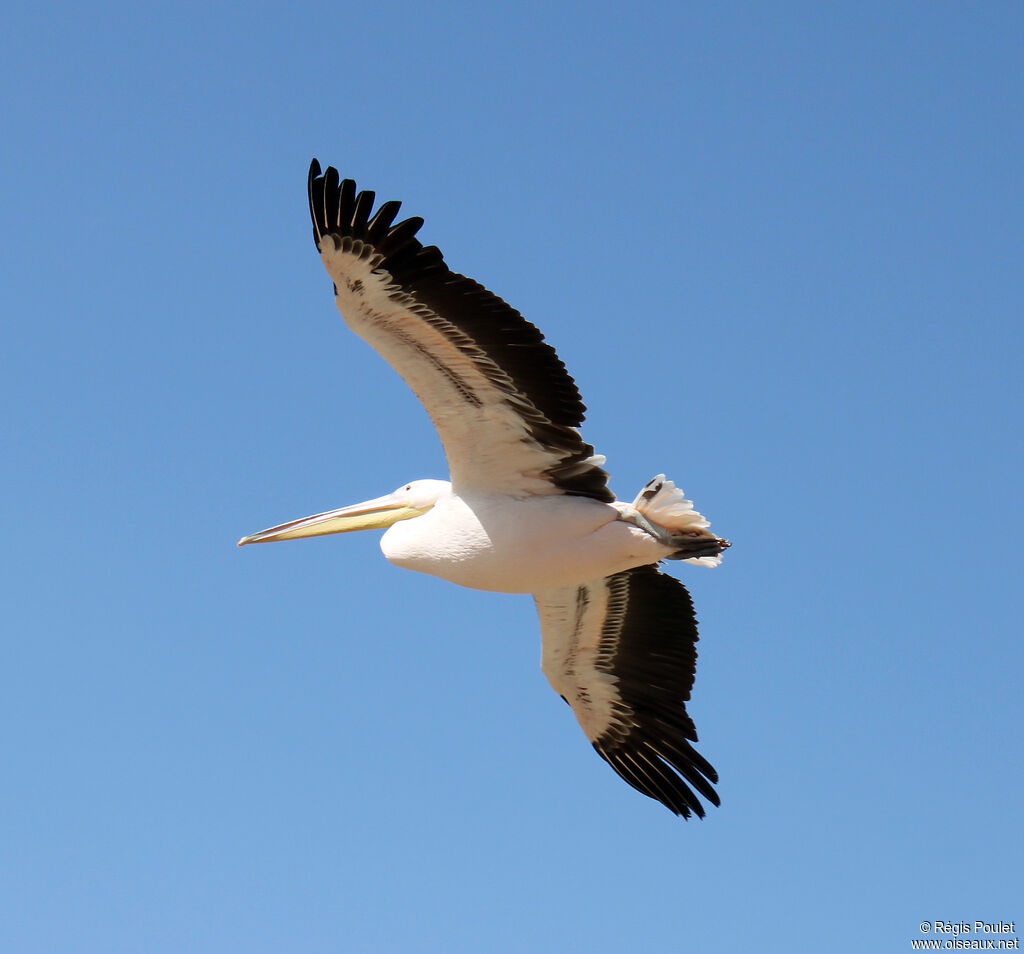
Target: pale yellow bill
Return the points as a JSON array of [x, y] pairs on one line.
[[370, 515]]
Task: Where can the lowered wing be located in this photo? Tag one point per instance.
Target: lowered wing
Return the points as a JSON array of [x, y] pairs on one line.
[[621, 651]]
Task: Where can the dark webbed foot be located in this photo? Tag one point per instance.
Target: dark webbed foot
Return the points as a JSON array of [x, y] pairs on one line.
[[690, 547]]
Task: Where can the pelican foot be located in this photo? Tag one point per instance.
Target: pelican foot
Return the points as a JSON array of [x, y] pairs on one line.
[[690, 545], [689, 548]]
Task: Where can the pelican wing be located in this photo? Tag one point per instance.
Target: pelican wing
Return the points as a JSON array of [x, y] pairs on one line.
[[504, 406], [621, 652]]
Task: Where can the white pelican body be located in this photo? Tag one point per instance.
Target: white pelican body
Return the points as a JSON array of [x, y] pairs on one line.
[[519, 546], [528, 509]]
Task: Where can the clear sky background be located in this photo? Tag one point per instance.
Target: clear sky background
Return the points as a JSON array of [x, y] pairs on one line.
[[778, 245]]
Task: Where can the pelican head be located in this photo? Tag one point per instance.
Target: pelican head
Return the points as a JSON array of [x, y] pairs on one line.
[[410, 500]]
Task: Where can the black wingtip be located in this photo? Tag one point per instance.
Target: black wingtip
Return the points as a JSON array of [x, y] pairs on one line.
[[314, 185], [337, 209]]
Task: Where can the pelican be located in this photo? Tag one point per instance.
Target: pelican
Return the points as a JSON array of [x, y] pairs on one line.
[[528, 508]]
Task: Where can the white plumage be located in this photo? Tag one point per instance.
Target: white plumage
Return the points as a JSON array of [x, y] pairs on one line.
[[528, 509]]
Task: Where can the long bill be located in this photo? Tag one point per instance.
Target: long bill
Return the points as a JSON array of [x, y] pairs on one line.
[[373, 514]]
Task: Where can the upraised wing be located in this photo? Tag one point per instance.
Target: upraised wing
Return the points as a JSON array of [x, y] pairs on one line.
[[503, 404]]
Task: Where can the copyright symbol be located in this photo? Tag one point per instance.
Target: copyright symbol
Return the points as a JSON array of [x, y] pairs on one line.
[[926, 926]]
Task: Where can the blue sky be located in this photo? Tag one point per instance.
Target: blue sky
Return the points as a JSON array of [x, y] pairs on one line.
[[779, 247]]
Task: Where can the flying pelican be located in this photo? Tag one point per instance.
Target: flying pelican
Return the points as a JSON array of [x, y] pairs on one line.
[[528, 508]]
